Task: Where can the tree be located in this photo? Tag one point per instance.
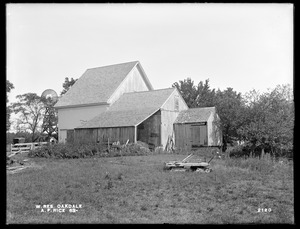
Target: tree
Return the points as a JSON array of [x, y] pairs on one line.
[[67, 84], [205, 96], [30, 109], [270, 120], [188, 91], [196, 96], [9, 87], [230, 108]]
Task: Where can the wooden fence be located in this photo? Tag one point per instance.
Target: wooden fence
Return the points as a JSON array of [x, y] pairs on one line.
[[26, 147]]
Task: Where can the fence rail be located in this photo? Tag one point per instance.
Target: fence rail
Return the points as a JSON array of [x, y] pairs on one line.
[[26, 147]]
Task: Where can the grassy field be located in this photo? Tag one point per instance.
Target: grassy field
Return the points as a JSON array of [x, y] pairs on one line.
[[136, 189]]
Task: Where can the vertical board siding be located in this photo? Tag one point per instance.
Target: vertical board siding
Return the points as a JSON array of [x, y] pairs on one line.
[[169, 114], [121, 134], [203, 135], [70, 136], [215, 134], [62, 136], [170, 103], [99, 135], [187, 135], [85, 135], [167, 120], [183, 136]]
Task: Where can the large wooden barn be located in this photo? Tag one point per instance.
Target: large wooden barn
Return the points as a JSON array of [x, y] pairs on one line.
[[118, 103]]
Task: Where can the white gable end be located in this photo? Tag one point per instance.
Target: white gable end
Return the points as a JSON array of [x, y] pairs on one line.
[[133, 82]]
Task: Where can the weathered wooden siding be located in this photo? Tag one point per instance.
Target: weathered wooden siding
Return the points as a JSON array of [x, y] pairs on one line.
[[183, 136], [133, 82], [197, 134], [85, 135], [188, 135], [121, 134], [62, 136], [167, 120], [214, 133], [169, 113], [149, 131], [70, 136], [170, 103]]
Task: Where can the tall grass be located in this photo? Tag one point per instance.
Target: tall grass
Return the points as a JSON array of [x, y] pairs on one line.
[[138, 190]]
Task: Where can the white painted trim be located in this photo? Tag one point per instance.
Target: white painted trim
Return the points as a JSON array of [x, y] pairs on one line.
[[147, 81], [135, 134], [81, 105]]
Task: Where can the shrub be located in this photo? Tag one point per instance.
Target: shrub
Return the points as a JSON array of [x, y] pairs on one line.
[[238, 151], [263, 164], [69, 150], [249, 149]]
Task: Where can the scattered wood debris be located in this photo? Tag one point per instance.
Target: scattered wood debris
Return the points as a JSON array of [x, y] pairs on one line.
[[17, 162]]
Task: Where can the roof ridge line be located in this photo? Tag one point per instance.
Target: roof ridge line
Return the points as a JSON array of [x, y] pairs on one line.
[[148, 91], [202, 107], [113, 65]]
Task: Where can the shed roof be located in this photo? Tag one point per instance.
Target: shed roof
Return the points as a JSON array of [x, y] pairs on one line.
[[195, 115], [130, 109], [97, 85]]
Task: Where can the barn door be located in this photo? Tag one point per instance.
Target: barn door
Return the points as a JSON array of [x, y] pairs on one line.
[[195, 135], [203, 135], [199, 135]]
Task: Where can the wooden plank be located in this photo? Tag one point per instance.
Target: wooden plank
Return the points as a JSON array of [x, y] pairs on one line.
[[188, 137], [203, 135], [195, 135], [179, 135], [121, 134], [26, 147]]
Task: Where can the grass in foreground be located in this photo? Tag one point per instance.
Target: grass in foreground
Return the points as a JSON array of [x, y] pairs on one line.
[[135, 189]]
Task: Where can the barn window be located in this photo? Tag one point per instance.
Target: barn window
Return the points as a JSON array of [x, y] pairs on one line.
[[176, 103]]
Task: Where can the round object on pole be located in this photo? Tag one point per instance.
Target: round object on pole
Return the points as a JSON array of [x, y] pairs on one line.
[[50, 93]]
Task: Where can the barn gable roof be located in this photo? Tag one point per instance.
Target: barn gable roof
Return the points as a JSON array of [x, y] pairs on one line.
[[191, 115], [130, 109], [97, 85]]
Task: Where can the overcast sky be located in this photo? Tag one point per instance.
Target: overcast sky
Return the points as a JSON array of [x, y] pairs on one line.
[[243, 46]]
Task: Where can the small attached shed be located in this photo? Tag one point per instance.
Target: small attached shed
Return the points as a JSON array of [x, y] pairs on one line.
[[197, 127]]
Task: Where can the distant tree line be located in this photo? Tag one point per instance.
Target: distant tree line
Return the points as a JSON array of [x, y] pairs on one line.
[[263, 121]]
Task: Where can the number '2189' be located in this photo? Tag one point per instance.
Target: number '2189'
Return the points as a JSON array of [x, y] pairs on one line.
[[264, 210]]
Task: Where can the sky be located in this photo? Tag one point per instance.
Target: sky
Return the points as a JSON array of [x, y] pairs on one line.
[[243, 46]]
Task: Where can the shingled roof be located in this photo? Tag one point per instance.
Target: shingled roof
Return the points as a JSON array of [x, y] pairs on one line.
[[96, 85], [131, 109], [195, 115]]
